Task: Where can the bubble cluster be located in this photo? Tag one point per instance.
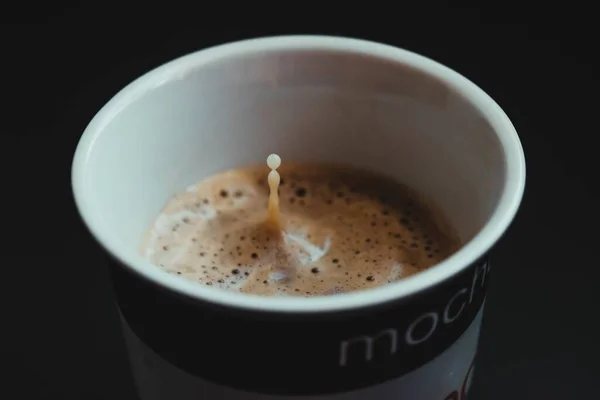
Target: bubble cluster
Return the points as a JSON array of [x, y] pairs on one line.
[[344, 229]]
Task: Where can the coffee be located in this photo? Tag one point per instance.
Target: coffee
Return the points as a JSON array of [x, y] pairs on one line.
[[332, 229]]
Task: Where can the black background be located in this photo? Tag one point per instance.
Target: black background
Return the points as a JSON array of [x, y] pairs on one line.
[[60, 62]]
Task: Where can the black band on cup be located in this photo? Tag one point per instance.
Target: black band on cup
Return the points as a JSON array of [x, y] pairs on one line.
[[301, 354]]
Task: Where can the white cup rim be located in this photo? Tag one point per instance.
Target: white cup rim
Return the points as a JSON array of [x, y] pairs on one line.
[[501, 218]]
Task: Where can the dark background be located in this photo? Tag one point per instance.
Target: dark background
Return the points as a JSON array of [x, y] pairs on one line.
[[59, 335]]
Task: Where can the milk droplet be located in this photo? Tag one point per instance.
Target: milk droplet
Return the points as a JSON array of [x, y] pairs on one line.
[[273, 161]]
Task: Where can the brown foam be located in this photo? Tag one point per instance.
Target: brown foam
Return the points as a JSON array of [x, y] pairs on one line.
[[364, 230]]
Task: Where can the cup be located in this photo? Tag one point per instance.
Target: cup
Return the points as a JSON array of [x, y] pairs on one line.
[[307, 98]]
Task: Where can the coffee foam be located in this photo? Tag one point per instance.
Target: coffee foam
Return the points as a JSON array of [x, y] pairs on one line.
[[339, 233]]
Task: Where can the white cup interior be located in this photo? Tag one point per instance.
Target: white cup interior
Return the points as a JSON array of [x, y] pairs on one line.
[[307, 99]]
